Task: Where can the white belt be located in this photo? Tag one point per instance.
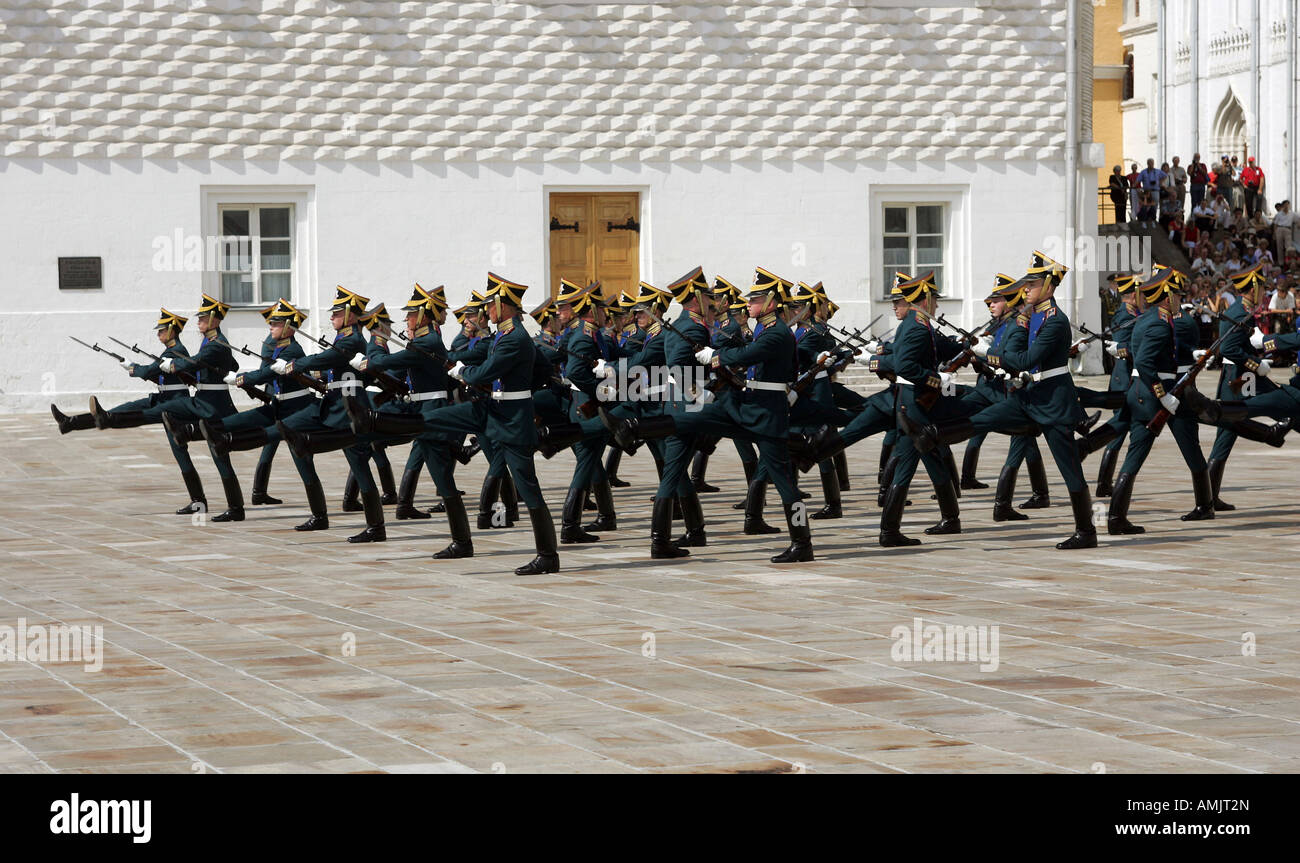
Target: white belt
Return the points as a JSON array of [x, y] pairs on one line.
[[899, 379], [766, 385], [213, 387], [1050, 373], [821, 374], [1164, 376], [512, 396], [429, 396], [1229, 362], [284, 397], [1182, 370], [338, 385], [172, 388]]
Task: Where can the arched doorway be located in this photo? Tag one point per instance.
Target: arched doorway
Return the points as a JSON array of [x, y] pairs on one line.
[[1230, 129]]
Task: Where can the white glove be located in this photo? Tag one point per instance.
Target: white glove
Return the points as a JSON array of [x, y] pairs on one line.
[[230, 377], [823, 358], [863, 359], [1170, 402], [705, 355], [1257, 339], [981, 346], [872, 347], [945, 379], [1188, 307], [280, 367], [1021, 380], [1265, 366], [791, 397], [603, 369], [1197, 354], [1112, 348], [1001, 373], [168, 365], [127, 364], [457, 371], [357, 361]]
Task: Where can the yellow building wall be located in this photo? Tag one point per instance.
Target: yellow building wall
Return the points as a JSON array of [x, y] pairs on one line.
[[1107, 122]]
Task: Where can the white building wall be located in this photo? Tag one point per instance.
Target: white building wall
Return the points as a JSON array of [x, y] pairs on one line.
[[419, 141]]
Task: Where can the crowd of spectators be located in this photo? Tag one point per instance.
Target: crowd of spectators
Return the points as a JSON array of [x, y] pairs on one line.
[[1220, 216]]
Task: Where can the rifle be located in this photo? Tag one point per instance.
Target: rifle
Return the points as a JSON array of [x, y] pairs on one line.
[[832, 364], [391, 386], [968, 354], [186, 378], [1105, 333], [306, 380], [725, 376], [1158, 421], [96, 347]]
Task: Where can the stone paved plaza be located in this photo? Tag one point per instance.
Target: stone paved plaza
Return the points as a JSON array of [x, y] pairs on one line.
[[252, 648]]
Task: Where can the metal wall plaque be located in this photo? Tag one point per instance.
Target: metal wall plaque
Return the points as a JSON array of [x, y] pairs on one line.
[[81, 274]]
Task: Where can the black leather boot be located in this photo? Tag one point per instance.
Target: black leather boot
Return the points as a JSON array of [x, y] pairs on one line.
[[1002, 495], [374, 509], [826, 443], [1039, 492], [385, 473], [1215, 469], [693, 517], [114, 419], [1106, 472], [1089, 420], [194, 487], [261, 479], [831, 491], [886, 450], [406, 495], [547, 559], [234, 500], [950, 462], [464, 454], [754, 503], [661, 531], [926, 437], [969, 463], [1117, 523], [700, 467], [509, 498], [891, 518], [796, 520], [588, 505], [316, 502], [571, 531], [181, 432], [462, 544], [887, 473], [841, 459], [949, 511], [1085, 534], [76, 422], [606, 518], [351, 494], [556, 438], [749, 468], [491, 512], [1204, 497], [1095, 440], [613, 459], [1274, 435]]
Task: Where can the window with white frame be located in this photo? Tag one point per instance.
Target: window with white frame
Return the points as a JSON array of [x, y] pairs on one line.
[[914, 241], [257, 253]]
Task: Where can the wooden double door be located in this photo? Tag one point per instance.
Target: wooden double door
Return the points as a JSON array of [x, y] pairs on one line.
[[596, 235]]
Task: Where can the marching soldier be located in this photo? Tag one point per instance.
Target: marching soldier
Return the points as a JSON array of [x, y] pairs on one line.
[[282, 321], [1242, 367], [379, 324], [211, 398], [1038, 350], [1120, 377], [170, 386], [506, 419]]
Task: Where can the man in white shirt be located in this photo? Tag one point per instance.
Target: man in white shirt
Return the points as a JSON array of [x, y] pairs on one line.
[[1281, 309], [1283, 223]]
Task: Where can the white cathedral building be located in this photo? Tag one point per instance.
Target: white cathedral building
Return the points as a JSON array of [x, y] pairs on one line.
[[1218, 77], [253, 149]]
